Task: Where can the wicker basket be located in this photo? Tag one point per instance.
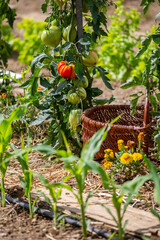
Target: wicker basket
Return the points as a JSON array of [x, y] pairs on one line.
[[127, 127]]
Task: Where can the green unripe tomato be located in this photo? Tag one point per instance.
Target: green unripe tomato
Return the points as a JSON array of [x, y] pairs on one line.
[[73, 97], [81, 92], [79, 83], [54, 22], [51, 37], [91, 60], [75, 118], [73, 34], [77, 96]]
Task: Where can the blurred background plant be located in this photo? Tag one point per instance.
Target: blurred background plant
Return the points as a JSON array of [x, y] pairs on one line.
[[31, 44], [117, 50]]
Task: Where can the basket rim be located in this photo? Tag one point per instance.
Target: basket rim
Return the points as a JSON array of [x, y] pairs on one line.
[[99, 124]]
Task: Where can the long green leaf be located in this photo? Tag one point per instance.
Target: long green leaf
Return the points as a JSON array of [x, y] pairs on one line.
[[5, 126], [133, 186], [156, 180], [92, 146]]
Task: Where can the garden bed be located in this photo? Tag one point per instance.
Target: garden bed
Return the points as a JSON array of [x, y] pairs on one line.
[[43, 228], [15, 221]]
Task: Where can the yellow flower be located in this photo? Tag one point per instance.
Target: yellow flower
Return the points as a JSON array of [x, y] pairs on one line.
[[137, 156], [126, 158], [141, 136], [125, 147], [47, 77], [108, 153], [39, 88], [4, 95], [107, 164], [120, 143]]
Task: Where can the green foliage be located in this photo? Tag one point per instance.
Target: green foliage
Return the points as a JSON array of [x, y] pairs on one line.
[[117, 54], [150, 78], [146, 4], [117, 200], [6, 13], [52, 101], [22, 156], [55, 191], [79, 167], [157, 140], [31, 43], [5, 138], [132, 187], [128, 160]]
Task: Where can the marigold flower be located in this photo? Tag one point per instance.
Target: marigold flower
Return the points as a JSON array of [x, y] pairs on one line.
[[126, 158], [108, 153], [137, 156], [131, 144], [39, 88], [107, 164], [141, 136], [4, 95], [120, 143], [125, 147]]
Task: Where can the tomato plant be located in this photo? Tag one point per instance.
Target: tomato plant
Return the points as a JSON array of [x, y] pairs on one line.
[[71, 63]]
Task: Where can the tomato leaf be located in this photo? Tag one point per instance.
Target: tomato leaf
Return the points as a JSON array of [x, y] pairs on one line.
[[66, 46], [44, 82], [37, 60], [134, 105], [84, 41], [145, 43], [100, 101], [79, 71], [132, 83], [103, 74], [96, 92], [39, 120], [153, 102]]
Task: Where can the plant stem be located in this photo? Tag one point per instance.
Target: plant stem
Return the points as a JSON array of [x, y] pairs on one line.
[[121, 232], [30, 205], [3, 192], [77, 138], [55, 214], [84, 226]]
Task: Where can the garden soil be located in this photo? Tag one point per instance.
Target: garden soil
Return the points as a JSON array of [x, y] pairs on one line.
[[14, 221]]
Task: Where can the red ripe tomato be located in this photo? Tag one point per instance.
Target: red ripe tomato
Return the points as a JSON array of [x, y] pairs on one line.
[[66, 70]]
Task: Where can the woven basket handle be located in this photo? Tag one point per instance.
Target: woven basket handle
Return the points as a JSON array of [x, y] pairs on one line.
[[147, 115]]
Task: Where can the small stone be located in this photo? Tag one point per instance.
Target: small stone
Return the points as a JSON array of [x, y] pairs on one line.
[[153, 231], [3, 234]]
